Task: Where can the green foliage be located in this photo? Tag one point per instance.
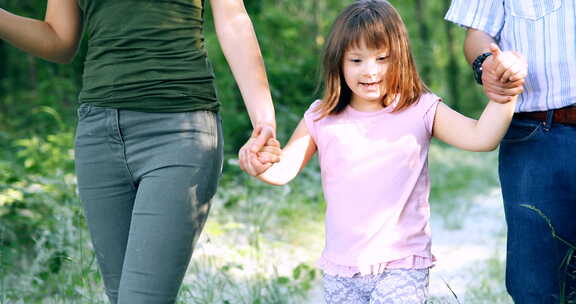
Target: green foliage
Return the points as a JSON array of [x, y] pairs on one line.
[[39, 180], [45, 256], [27, 83], [291, 36], [219, 284], [42, 230]]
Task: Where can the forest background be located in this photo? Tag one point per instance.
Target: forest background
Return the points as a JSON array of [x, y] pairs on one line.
[[260, 242]]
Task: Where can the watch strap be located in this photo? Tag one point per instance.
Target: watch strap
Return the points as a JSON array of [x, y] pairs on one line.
[[477, 66]]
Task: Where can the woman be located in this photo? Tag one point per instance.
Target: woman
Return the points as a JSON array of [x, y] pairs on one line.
[[148, 141]]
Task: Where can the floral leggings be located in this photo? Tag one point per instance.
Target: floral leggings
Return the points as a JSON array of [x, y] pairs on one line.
[[393, 286]]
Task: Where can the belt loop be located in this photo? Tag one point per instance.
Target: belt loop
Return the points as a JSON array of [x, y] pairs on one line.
[[549, 120]]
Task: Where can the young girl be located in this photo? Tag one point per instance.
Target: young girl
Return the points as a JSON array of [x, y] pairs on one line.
[[372, 130]]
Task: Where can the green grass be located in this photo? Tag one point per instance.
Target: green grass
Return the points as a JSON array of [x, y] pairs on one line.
[[258, 246], [489, 286], [255, 247]]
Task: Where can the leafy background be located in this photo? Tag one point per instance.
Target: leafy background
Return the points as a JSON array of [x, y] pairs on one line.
[[260, 242]]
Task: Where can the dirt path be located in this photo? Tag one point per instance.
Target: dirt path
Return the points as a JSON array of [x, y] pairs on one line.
[[467, 255]]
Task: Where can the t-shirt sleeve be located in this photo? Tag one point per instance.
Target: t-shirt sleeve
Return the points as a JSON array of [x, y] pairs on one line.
[[429, 104], [311, 119], [484, 15]]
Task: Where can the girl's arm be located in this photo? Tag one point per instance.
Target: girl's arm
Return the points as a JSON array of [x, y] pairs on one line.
[[54, 39], [479, 135], [295, 155], [240, 46]]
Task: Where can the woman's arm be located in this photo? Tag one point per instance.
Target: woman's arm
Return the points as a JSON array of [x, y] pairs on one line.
[[479, 135], [240, 46], [295, 155], [54, 39]]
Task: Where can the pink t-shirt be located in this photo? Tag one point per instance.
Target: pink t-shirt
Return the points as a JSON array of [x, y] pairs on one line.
[[376, 185]]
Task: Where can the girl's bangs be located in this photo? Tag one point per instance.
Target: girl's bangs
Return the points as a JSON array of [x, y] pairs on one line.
[[370, 32]]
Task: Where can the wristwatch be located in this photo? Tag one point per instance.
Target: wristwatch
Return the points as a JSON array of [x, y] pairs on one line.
[[477, 66]]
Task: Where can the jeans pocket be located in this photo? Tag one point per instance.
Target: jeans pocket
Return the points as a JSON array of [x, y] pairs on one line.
[[83, 111], [520, 131], [533, 9]]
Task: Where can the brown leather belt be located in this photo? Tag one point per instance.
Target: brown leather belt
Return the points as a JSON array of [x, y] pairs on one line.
[[564, 115]]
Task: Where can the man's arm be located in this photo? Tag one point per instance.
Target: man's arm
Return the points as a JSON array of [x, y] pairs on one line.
[[500, 81], [476, 43]]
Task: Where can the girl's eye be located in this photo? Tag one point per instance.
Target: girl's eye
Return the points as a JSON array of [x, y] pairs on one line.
[[355, 60], [382, 58]]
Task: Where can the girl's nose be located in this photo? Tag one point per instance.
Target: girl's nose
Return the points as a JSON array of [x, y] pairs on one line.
[[372, 68]]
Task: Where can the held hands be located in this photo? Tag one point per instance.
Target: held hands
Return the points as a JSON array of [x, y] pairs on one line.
[[503, 75], [260, 152]]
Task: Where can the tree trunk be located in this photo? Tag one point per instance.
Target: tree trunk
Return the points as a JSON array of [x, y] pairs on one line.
[[253, 7], [453, 75], [424, 34], [3, 74], [316, 13]]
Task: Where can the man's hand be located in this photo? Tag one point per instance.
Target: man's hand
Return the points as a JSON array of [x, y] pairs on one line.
[[503, 75]]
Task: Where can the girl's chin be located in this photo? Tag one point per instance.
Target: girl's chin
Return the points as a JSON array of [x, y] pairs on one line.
[[369, 93], [371, 97]]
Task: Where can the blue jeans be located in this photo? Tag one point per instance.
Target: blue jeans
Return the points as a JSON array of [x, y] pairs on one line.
[[146, 181], [537, 168]]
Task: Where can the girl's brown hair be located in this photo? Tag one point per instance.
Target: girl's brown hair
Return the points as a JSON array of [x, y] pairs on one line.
[[377, 25]]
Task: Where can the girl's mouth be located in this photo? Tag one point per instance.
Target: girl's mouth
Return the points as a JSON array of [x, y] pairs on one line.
[[369, 84]]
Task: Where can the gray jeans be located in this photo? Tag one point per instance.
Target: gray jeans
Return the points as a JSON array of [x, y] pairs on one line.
[[146, 181]]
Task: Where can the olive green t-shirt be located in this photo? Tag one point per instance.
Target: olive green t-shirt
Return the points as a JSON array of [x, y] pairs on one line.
[[147, 55]]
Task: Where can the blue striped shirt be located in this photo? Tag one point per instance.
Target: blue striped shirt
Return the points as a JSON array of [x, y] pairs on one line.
[[544, 31]]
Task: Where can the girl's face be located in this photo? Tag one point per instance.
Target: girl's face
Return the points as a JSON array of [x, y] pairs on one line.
[[364, 71]]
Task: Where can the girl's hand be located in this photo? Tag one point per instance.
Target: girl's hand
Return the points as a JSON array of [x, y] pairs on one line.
[[257, 163], [271, 152]]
